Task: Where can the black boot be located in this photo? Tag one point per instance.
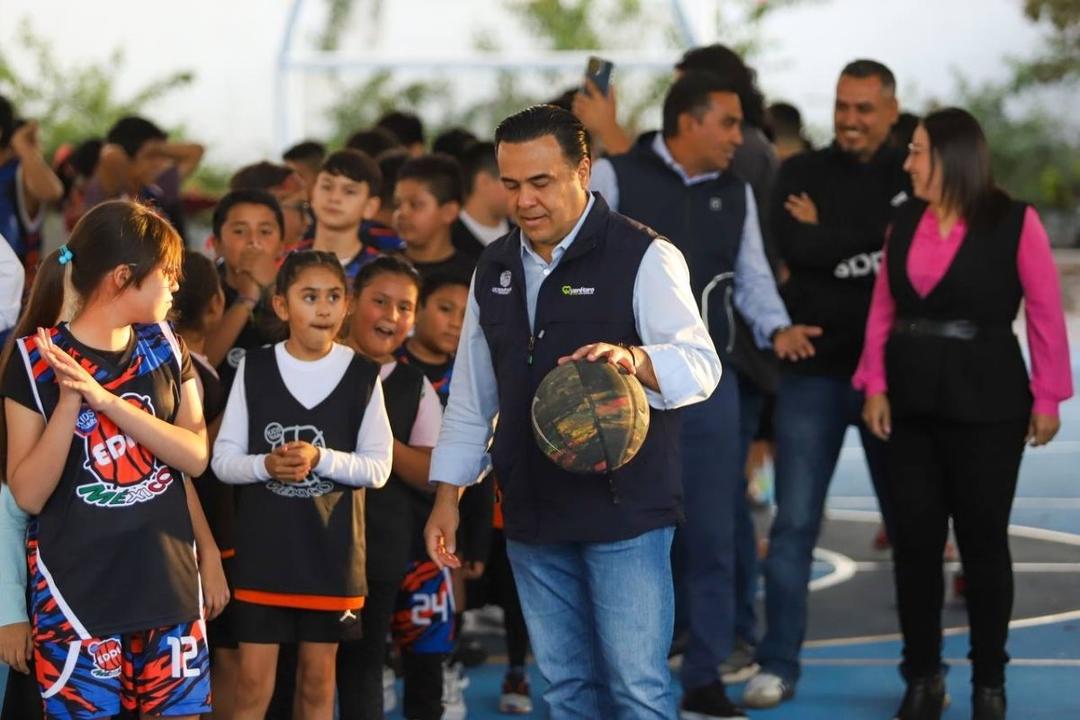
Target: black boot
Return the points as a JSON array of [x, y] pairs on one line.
[[988, 703], [924, 700]]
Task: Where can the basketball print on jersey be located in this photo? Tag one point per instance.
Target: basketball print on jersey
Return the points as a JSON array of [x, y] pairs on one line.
[[125, 472], [107, 656], [312, 486]]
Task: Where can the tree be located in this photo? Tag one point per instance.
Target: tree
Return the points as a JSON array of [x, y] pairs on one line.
[[1036, 153], [74, 103]]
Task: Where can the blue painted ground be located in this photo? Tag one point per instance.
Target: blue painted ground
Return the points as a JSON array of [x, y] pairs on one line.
[[859, 681]]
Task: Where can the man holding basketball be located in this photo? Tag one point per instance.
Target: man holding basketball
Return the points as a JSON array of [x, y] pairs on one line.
[[590, 553]]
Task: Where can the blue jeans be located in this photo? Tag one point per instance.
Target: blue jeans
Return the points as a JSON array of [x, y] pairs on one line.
[[751, 406], [600, 618], [713, 483], [812, 415]]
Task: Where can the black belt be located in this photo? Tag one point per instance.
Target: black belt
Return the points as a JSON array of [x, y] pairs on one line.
[[949, 329]]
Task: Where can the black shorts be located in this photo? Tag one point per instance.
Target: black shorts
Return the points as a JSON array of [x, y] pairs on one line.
[[219, 631], [253, 623]]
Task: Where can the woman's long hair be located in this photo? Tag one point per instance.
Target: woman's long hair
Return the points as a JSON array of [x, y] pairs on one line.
[[959, 151]]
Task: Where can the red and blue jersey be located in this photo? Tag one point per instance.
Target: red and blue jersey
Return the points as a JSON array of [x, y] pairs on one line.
[[114, 540]]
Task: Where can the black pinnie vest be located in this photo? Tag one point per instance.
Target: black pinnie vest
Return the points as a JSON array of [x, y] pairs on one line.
[[391, 510], [587, 298], [704, 220], [301, 544], [980, 380]]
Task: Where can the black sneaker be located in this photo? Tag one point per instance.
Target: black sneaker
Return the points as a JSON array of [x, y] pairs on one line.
[[924, 700], [709, 703], [988, 703]]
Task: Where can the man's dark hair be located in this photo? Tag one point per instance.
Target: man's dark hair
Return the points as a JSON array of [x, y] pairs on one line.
[[453, 142], [565, 99], [309, 152], [406, 127], [372, 141], [784, 121], [440, 173], [726, 64], [902, 130], [537, 121], [246, 196], [691, 94], [390, 163], [7, 122], [863, 68], [355, 165], [959, 151], [477, 158], [438, 280], [263, 175], [132, 132]]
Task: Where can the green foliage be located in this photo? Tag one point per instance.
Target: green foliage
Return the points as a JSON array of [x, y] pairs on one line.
[[1035, 150], [73, 103]]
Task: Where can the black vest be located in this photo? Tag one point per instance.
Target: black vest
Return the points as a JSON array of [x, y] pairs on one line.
[[391, 510], [979, 380], [303, 542], [587, 298], [705, 221]]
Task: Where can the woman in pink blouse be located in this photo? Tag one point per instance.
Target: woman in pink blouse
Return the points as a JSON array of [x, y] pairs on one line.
[[946, 386]]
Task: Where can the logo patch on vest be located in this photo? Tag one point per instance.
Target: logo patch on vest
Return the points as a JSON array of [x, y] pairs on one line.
[[567, 290], [279, 435], [859, 265], [126, 473], [899, 199], [504, 283], [716, 204]]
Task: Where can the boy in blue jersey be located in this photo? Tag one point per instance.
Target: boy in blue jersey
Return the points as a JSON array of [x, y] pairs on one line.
[[346, 193], [27, 183]]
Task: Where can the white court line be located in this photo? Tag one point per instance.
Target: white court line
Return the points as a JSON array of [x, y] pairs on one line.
[[844, 568], [1018, 567], [889, 662], [1019, 530]]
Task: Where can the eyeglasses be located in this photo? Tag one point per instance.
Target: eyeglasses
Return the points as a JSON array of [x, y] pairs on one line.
[[914, 149]]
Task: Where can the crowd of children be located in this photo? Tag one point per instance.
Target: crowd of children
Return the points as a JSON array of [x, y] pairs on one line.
[[262, 409]]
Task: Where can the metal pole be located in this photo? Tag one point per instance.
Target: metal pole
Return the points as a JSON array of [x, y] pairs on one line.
[[282, 130]]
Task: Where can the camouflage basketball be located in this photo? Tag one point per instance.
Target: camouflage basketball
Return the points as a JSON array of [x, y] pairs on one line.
[[590, 418]]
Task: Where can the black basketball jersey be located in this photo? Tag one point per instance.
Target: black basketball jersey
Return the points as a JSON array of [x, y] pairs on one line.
[[391, 514], [216, 497], [301, 544], [115, 539]]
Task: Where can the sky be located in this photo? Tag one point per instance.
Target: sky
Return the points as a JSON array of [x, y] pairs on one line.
[[232, 47]]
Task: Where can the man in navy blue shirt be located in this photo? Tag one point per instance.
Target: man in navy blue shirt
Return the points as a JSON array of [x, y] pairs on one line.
[[677, 182], [590, 554]]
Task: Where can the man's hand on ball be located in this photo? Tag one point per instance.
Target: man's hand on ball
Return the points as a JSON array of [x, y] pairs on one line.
[[624, 357]]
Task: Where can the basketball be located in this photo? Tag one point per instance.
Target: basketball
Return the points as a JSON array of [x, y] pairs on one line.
[[590, 418]]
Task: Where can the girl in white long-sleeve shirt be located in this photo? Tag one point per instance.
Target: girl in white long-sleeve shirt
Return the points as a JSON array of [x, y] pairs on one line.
[[304, 431]]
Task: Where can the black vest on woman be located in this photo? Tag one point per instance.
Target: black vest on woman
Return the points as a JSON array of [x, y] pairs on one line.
[[587, 298], [968, 380], [301, 544]]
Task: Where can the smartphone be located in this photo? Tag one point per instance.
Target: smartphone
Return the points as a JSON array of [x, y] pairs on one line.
[[599, 71]]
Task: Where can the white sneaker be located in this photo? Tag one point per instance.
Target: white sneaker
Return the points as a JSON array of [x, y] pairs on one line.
[[766, 690], [453, 696], [389, 690]]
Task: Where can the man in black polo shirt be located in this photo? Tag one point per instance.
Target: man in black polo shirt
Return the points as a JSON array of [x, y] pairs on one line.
[[830, 212], [590, 554]]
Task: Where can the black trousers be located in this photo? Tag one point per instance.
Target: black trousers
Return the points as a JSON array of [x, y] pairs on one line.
[[937, 470], [360, 662]]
